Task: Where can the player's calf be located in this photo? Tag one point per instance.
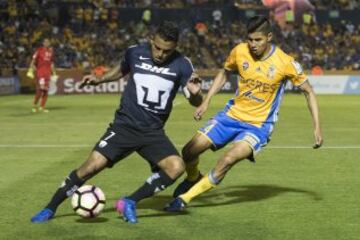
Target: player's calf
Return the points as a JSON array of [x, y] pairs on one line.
[[155, 183], [67, 188]]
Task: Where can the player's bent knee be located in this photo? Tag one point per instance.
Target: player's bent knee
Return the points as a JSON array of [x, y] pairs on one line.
[[173, 166], [177, 166]]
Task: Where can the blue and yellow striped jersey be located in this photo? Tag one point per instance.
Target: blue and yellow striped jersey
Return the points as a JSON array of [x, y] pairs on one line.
[[261, 84]]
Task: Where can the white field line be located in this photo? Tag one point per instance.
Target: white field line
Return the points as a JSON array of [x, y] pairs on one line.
[[177, 103], [14, 101], [177, 145]]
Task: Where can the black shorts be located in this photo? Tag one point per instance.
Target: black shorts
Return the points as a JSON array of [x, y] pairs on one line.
[[119, 142]]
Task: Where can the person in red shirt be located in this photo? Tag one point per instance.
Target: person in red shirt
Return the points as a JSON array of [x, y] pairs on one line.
[[43, 64]]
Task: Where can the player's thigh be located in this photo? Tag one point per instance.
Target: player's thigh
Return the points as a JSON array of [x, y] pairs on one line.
[[116, 144], [254, 137], [197, 145], [160, 151], [238, 151]]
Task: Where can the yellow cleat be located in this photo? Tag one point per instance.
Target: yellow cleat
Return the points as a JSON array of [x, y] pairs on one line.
[[34, 110]]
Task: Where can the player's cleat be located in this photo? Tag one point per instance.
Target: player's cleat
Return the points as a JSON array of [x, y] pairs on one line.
[[127, 208], [44, 110], [34, 110], [185, 185], [43, 216], [176, 205]]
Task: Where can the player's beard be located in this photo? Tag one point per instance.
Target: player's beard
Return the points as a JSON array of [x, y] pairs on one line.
[[255, 53], [163, 61]]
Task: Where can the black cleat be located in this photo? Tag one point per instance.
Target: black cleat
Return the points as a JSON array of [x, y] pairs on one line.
[[185, 185], [176, 205]]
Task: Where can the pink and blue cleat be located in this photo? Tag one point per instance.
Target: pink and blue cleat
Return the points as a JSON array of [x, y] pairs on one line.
[[127, 208]]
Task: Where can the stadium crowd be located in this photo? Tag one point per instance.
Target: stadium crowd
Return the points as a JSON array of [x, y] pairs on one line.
[[93, 36]]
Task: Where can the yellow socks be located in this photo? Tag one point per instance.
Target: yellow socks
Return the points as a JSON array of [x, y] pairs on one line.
[[202, 186]]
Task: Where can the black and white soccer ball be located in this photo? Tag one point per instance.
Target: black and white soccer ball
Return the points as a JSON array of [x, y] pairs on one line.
[[88, 201]]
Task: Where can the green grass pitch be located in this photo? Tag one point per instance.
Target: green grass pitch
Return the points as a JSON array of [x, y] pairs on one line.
[[292, 192]]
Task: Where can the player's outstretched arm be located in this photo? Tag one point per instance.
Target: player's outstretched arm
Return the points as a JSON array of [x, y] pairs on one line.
[[113, 74], [314, 110], [218, 83]]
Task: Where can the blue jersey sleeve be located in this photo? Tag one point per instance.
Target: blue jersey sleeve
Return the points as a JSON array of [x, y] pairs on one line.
[[125, 62], [187, 70]]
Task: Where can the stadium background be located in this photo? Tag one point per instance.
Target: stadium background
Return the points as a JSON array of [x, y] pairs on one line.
[[92, 35], [292, 192]]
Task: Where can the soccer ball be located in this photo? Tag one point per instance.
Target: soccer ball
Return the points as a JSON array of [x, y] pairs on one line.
[[88, 201]]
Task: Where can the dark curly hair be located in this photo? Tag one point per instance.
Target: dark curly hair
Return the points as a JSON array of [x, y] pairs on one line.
[[168, 31]]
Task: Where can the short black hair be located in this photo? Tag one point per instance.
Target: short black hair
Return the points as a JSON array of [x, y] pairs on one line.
[[258, 23], [169, 31]]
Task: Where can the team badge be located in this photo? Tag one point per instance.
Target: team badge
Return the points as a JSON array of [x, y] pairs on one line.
[[271, 72], [102, 144], [245, 65]]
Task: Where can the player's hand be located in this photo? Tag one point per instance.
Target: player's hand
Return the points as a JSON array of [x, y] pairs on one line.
[[318, 138], [54, 78], [199, 112], [194, 84], [89, 80]]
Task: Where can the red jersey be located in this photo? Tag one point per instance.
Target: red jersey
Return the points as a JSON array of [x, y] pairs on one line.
[[43, 58]]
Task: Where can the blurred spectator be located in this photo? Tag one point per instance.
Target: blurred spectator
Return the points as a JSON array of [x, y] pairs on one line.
[[92, 27], [201, 30], [146, 17], [217, 17], [317, 70]]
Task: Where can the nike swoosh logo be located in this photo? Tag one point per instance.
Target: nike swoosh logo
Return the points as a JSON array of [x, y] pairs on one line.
[[143, 58]]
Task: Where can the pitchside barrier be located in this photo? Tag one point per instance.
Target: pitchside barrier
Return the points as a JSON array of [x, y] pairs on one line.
[[69, 81], [9, 85]]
